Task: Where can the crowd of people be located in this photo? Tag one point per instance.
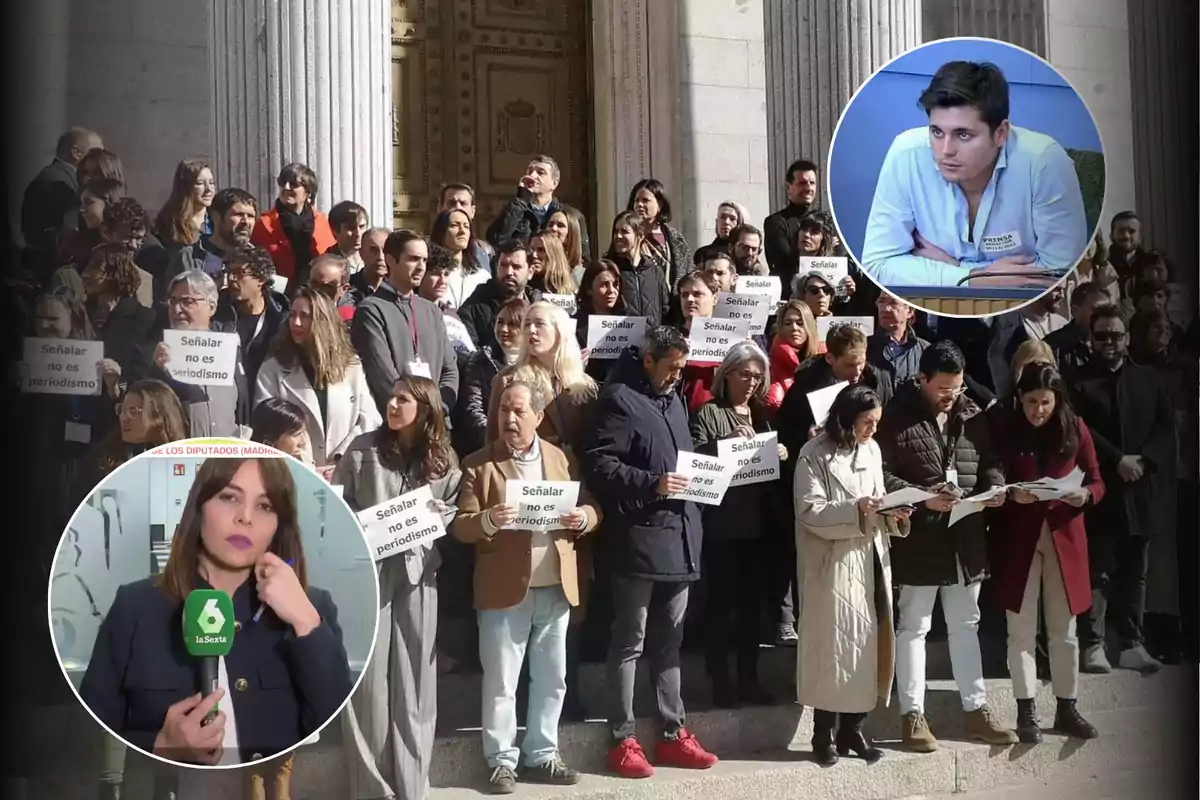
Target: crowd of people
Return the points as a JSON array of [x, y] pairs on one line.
[[389, 360]]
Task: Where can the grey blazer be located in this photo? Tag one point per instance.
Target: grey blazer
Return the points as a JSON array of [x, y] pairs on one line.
[[366, 481]]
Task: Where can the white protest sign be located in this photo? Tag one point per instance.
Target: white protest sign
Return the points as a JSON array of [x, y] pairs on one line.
[[279, 283], [834, 268], [460, 338], [202, 358], [754, 308], [540, 503], [768, 285], [821, 400], [564, 301], [708, 476], [608, 335], [756, 460], [401, 524], [61, 366], [864, 324], [710, 338]]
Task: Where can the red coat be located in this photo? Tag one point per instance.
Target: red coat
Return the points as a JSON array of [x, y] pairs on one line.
[[784, 363], [1014, 535], [268, 234], [696, 385]]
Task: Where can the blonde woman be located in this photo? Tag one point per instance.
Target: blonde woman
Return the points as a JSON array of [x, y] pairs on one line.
[[552, 270], [567, 224], [796, 341], [313, 365], [730, 216]]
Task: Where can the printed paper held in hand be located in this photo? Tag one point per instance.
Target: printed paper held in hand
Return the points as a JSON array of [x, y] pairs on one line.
[[610, 334], [833, 268], [864, 324], [908, 496], [1054, 488], [564, 301], [974, 504], [202, 358], [708, 478], [821, 400], [768, 285], [711, 338], [401, 524], [61, 366], [753, 308], [756, 460], [540, 503]]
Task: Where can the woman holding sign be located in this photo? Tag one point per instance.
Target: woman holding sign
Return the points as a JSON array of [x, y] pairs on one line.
[[1041, 551], [389, 724], [599, 294], [845, 656], [285, 673], [733, 423]]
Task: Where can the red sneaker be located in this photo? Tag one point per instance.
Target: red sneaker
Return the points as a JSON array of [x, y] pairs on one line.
[[683, 752], [628, 760]]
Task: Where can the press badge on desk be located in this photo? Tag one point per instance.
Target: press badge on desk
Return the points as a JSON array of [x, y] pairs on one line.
[[420, 369], [1001, 243], [78, 432]]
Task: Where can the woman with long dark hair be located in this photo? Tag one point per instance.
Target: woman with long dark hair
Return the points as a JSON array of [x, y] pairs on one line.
[[389, 724], [600, 294], [185, 214], [662, 244], [1040, 550], [239, 534], [644, 288], [454, 231], [846, 653]]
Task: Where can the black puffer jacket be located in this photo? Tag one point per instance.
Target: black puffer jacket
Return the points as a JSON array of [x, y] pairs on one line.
[[644, 290], [916, 454], [795, 415], [635, 439]]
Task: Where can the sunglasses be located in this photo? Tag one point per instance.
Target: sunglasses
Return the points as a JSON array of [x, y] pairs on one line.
[[1108, 336], [819, 290]]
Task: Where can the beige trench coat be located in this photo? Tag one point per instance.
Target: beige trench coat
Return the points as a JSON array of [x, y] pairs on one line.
[[846, 655]]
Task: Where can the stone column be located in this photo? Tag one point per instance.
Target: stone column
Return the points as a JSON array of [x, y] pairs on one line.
[[307, 81], [818, 53]]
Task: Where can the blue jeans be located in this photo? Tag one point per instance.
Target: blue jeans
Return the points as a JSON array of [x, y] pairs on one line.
[[537, 624]]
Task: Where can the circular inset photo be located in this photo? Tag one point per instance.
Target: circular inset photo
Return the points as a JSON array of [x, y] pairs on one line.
[[966, 176], [213, 603]]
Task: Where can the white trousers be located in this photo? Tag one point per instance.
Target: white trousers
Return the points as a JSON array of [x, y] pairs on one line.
[[914, 618], [1045, 582]]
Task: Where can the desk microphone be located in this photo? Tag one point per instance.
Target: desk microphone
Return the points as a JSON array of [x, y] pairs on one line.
[[1045, 273], [208, 635]]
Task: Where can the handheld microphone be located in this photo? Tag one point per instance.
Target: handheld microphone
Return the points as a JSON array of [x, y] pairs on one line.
[[208, 635]]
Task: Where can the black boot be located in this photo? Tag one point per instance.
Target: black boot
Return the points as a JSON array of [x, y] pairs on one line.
[[851, 739], [1068, 721], [1028, 730], [822, 742]]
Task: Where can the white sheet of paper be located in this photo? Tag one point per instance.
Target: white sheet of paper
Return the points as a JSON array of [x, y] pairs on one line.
[[821, 400], [908, 496], [709, 478], [202, 358], [756, 460], [279, 284], [61, 366], [1055, 488], [834, 268], [768, 285], [77, 432], [974, 504], [540, 503], [864, 324], [710, 338], [456, 332], [401, 524], [753, 308], [610, 334], [566, 302]]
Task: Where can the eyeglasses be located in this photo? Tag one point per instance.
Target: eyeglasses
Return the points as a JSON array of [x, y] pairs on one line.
[[750, 375], [183, 302], [1108, 336], [819, 290], [955, 393]]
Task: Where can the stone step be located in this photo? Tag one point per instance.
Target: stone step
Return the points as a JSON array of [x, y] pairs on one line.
[[1135, 784], [1136, 714]]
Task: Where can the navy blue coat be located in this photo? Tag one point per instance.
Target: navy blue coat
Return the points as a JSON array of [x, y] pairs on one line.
[[283, 688], [635, 439]]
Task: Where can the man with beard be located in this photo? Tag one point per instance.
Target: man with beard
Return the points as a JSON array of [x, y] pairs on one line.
[[781, 230], [1125, 231], [745, 245], [249, 306], [654, 541], [367, 280], [1070, 343], [935, 438], [233, 213], [511, 280], [1128, 409], [397, 333]]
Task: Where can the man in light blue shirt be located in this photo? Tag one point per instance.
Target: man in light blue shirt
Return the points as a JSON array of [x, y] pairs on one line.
[[973, 198]]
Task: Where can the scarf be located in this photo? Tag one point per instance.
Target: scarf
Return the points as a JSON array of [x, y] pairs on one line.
[[298, 229]]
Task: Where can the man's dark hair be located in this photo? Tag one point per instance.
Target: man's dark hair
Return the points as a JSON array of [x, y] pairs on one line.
[[659, 342], [943, 356], [1083, 291], [511, 247], [347, 213], [447, 188], [849, 403], [128, 217], [798, 166], [257, 263], [298, 174], [1106, 311], [814, 221], [228, 198], [710, 252], [741, 230], [842, 338], [399, 239], [698, 277], [1147, 288], [110, 190], [1121, 216], [981, 86], [440, 260]]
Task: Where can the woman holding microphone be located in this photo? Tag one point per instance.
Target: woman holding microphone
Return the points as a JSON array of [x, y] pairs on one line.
[[287, 672], [845, 656], [1040, 551]]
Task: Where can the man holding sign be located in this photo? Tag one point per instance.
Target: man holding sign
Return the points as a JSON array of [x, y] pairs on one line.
[[640, 428], [522, 507]]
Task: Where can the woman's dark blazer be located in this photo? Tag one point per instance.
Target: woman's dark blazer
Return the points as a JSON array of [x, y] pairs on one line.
[[283, 688]]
